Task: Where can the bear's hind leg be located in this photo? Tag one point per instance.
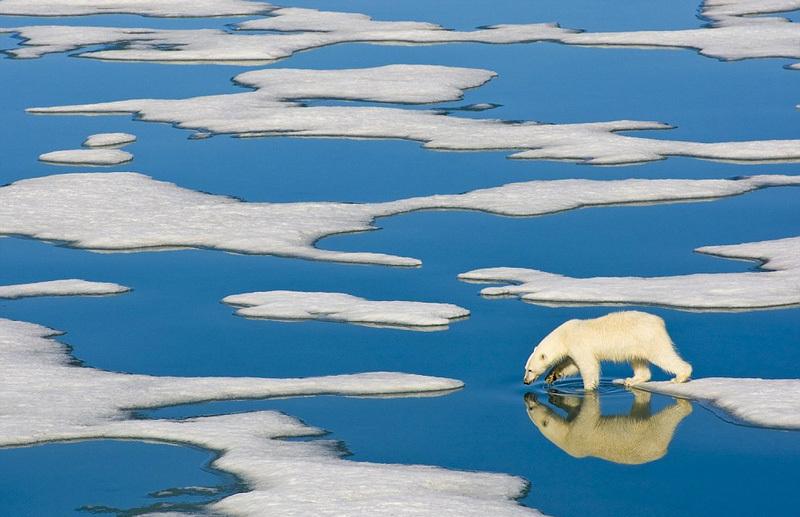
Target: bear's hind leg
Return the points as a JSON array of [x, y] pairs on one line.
[[671, 362], [641, 372]]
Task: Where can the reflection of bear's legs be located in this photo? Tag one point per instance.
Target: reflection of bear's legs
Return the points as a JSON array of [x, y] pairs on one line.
[[641, 404], [641, 372], [669, 361]]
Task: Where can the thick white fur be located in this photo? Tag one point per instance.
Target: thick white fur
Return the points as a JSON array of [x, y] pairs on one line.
[[578, 346]]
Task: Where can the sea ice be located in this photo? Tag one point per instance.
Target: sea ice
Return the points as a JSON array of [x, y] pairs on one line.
[[47, 397], [162, 8], [109, 140], [341, 307], [778, 286], [71, 287], [129, 211], [96, 157], [733, 33], [272, 109], [759, 402]]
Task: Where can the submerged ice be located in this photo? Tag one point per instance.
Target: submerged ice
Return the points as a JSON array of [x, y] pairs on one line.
[[341, 307], [129, 211], [777, 286], [272, 110]]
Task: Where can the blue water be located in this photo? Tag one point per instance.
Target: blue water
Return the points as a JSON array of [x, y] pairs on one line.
[[173, 324]]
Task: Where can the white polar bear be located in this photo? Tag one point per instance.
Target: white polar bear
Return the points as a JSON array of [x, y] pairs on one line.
[[578, 346]]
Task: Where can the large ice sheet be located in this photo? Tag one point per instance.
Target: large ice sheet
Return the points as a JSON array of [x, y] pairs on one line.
[[128, 211], [70, 287], [272, 109], [760, 402], [97, 157], [341, 307], [734, 33], [778, 286], [163, 8], [47, 397]]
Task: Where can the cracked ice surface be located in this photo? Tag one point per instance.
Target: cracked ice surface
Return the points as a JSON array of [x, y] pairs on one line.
[[341, 307], [70, 287], [778, 286], [760, 402], [272, 110], [46, 397], [129, 211]]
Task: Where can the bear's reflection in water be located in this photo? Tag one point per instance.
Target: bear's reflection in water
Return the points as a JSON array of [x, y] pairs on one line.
[[633, 439]]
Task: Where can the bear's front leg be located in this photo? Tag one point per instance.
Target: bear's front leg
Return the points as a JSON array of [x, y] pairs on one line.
[[589, 368]]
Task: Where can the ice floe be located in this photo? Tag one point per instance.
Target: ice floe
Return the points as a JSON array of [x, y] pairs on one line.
[[759, 402], [109, 140], [341, 307], [733, 33], [47, 397], [778, 286], [160, 8], [272, 109], [96, 157], [70, 287], [129, 211]]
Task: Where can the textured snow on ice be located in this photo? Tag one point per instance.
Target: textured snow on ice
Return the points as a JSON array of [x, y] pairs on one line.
[[129, 211], [341, 307], [109, 140], [97, 157], [47, 397], [161, 8], [778, 286], [733, 33], [70, 287], [760, 402], [272, 109]]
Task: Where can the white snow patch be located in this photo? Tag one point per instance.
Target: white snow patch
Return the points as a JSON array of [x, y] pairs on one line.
[[760, 402], [46, 397], [160, 8], [70, 287], [109, 140], [778, 286], [341, 307], [272, 110], [128, 211], [97, 157]]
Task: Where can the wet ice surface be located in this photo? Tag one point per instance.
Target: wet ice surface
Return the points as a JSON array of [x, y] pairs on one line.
[[341, 307], [778, 286], [760, 402]]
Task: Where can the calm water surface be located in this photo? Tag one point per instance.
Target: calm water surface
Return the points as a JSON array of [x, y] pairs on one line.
[[173, 323]]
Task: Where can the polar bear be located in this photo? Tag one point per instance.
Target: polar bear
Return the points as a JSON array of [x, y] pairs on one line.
[[633, 439], [578, 346]]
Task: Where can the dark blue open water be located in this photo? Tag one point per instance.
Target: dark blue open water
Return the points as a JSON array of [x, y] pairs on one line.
[[173, 323]]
